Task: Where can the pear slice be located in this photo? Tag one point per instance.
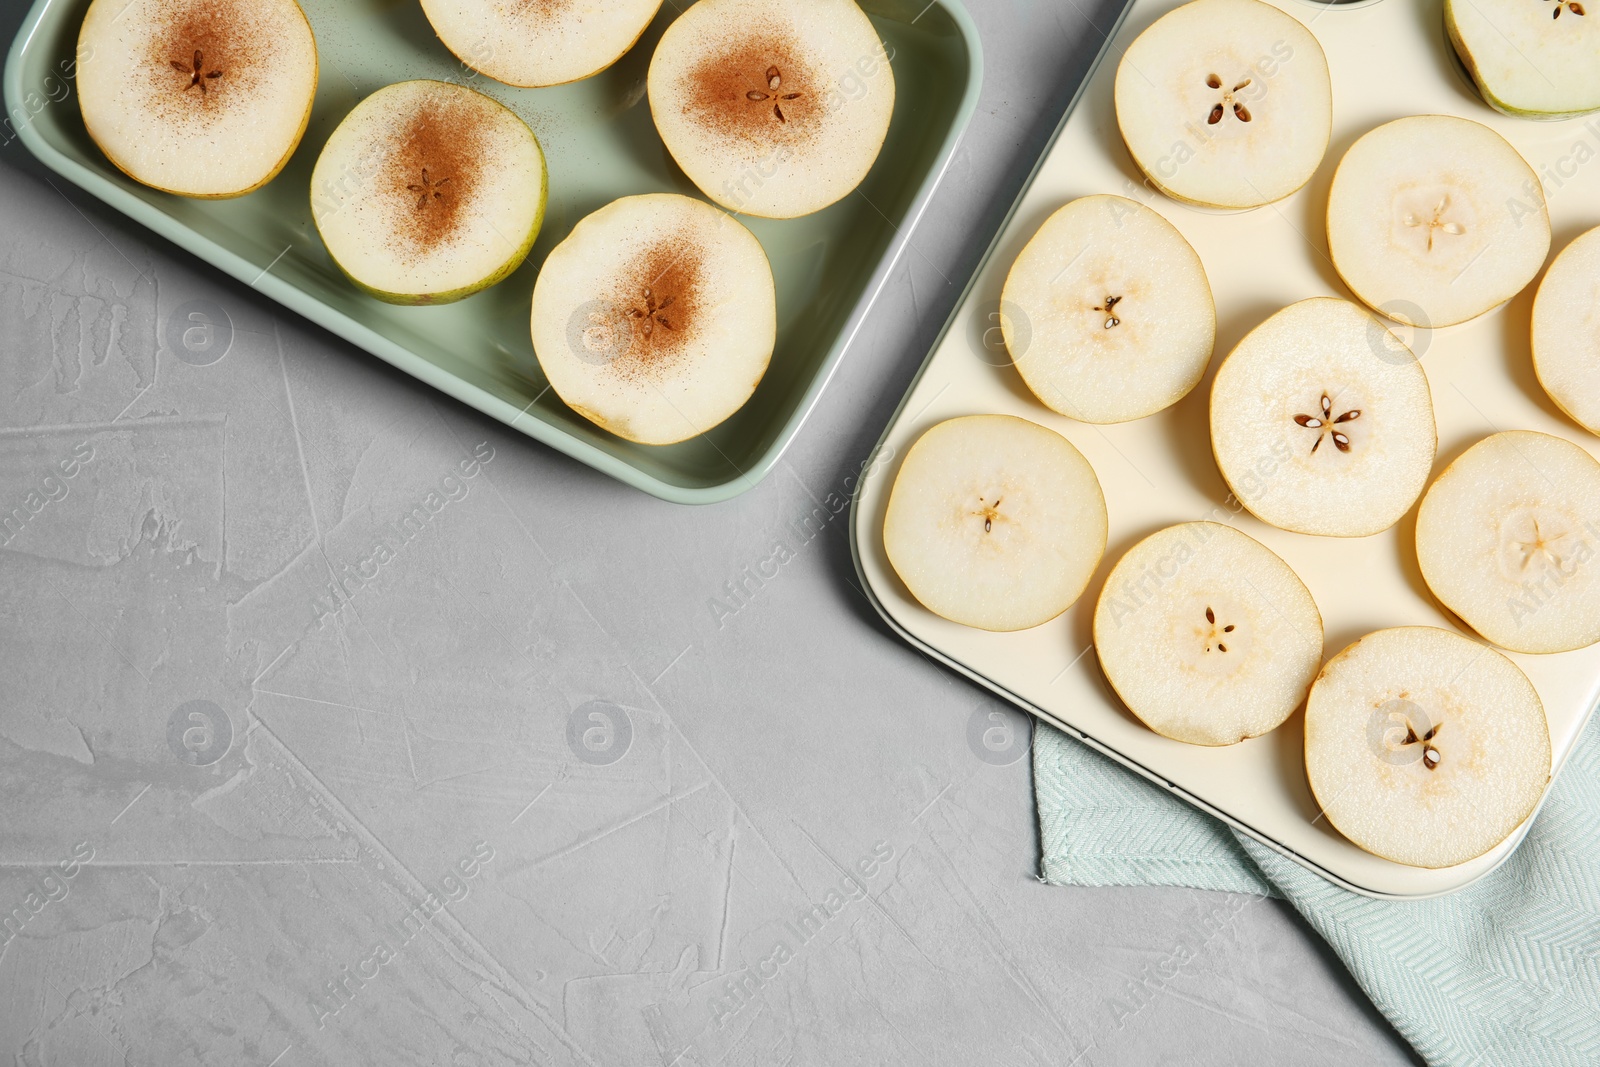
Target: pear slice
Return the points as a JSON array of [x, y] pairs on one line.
[[429, 192], [1508, 536], [539, 42], [1566, 331], [1538, 60], [1225, 103], [1434, 220], [775, 108], [1107, 312], [203, 98], [1425, 748], [1207, 635], [1322, 421], [656, 317], [995, 522]]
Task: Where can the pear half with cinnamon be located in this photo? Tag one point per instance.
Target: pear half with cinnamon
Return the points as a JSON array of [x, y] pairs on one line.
[[203, 98], [656, 318], [542, 42], [773, 109], [429, 192]]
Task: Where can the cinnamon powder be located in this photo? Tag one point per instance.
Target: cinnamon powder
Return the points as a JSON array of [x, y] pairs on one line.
[[660, 302], [539, 11], [433, 172], [205, 57], [758, 88]]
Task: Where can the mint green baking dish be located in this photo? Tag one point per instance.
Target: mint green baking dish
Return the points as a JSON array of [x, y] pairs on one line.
[[601, 144]]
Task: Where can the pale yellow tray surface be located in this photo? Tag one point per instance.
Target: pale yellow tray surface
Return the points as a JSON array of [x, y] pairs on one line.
[[1387, 61]]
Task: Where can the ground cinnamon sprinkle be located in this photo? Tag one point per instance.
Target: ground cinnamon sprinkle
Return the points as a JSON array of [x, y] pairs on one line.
[[757, 88], [205, 58], [659, 302], [533, 11], [433, 171]]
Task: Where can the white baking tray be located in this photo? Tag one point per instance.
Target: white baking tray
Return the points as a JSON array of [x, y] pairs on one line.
[[1388, 60]]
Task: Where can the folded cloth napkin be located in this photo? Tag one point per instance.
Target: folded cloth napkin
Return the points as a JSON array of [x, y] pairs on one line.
[[1503, 973]]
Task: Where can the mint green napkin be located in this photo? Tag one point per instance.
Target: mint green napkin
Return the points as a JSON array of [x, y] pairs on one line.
[[1503, 973]]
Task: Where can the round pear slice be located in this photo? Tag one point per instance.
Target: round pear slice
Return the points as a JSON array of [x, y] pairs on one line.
[[1322, 421], [1533, 60], [1206, 635], [995, 522], [203, 98], [656, 317], [1566, 331], [1425, 748], [775, 108], [1107, 312], [539, 42], [1434, 220], [1508, 538], [429, 192], [1225, 103]]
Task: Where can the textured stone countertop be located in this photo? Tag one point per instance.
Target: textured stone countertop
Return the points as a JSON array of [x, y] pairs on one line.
[[615, 889]]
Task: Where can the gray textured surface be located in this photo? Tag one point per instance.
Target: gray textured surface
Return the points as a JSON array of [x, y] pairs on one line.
[[247, 898]]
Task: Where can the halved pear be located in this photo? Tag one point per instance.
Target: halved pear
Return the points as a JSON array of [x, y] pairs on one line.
[[1207, 635], [1536, 59], [539, 42], [656, 317], [1225, 103], [1434, 220], [775, 108], [1508, 536], [1322, 421], [995, 522], [1107, 312], [1425, 748], [203, 98], [429, 192], [1566, 331]]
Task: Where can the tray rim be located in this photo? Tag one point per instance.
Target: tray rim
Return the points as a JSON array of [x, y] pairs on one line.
[[857, 516], [305, 305]]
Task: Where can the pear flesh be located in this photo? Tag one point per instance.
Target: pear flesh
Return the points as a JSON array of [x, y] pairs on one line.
[[1225, 103], [1532, 60], [545, 42], [1566, 331], [1107, 312], [203, 98], [774, 108], [428, 192], [1424, 747], [1434, 220], [1207, 635], [995, 522], [1322, 421], [656, 317], [1508, 538]]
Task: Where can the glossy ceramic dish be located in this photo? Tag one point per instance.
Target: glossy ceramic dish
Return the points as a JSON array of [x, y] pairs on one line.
[[600, 144], [1387, 60]]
